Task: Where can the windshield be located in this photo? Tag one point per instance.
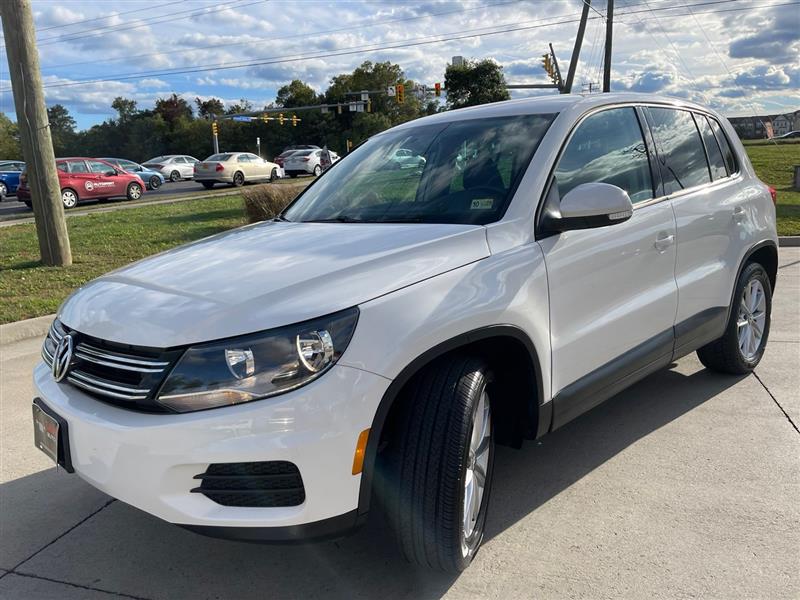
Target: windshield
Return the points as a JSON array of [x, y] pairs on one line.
[[458, 172]]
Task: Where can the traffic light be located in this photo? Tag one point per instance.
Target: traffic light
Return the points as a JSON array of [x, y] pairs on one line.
[[214, 128], [294, 120], [369, 104], [400, 93], [280, 118], [437, 89], [547, 63]]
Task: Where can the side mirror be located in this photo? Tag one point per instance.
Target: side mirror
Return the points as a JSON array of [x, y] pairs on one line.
[[111, 173], [587, 206]]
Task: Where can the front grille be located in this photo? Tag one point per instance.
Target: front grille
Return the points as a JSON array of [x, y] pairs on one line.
[[120, 374], [262, 484]]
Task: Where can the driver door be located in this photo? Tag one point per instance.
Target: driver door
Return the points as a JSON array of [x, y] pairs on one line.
[[108, 181], [613, 294]]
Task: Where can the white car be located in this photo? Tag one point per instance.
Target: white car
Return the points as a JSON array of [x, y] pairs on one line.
[[375, 342], [173, 166], [306, 162], [235, 168]]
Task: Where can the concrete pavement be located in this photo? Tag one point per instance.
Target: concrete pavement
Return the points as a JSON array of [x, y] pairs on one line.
[[686, 485]]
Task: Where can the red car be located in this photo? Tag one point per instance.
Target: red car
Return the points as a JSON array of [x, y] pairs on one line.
[[88, 179]]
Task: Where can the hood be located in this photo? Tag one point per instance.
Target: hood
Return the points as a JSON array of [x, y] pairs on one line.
[[264, 276]]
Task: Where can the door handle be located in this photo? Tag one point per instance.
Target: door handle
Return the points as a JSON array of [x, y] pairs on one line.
[[738, 214], [664, 241]]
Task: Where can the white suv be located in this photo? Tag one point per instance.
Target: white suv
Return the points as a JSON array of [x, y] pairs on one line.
[[372, 345]]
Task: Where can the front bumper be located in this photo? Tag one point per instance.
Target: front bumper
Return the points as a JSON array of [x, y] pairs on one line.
[[150, 460]]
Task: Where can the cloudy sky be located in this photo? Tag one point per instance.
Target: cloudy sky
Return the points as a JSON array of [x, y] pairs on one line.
[[740, 56]]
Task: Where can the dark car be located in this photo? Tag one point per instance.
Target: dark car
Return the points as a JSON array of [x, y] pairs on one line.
[[88, 179]]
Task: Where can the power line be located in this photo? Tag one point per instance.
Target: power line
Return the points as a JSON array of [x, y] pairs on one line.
[[286, 37], [116, 14], [361, 49]]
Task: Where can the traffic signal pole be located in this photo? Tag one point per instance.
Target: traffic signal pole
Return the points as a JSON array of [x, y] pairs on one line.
[[609, 36], [576, 50], [34, 130]]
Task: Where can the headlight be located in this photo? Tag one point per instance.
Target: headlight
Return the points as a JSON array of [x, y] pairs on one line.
[[258, 365]]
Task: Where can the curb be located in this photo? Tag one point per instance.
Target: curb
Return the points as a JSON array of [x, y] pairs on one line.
[[789, 241], [23, 330]]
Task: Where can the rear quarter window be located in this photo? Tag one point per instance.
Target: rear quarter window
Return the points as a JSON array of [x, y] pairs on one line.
[[681, 156]]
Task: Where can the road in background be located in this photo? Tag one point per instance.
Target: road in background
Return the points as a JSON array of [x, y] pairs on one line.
[[684, 485]]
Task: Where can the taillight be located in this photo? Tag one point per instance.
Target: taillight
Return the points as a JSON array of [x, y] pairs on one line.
[[306, 159], [219, 168], [773, 193]]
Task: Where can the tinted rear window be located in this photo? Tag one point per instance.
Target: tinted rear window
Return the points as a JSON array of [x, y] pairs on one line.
[[680, 150], [723, 143], [715, 160]]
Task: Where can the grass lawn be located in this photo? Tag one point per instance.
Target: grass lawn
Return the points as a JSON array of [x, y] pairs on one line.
[[100, 243], [774, 165]]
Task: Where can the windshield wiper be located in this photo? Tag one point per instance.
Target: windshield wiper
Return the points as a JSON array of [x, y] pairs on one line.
[[337, 219], [281, 218]]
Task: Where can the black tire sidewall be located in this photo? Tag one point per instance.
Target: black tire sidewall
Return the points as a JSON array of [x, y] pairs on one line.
[[155, 183], [238, 179], [175, 176], [131, 186], [77, 199]]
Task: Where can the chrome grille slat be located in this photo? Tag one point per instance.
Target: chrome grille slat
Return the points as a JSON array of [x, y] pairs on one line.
[[102, 392], [94, 358], [104, 383], [120, 358]]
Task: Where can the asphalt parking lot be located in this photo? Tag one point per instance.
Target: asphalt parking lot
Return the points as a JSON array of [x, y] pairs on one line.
[[684, 486]]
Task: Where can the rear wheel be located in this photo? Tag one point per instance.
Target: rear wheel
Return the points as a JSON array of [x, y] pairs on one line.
[[317, 171], [3, 191], [175, 176], [69, 198], [134, 191], [238, 179], [440, 464], [207, 184], [155, 182], [742, 345], [293, 175], [28, 203]]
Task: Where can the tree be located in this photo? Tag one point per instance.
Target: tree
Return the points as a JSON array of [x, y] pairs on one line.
[[243, 106], [125, 108], [9, 139], [207, 108], [295, 94], [475, 82], [62, 129], [173, 108]]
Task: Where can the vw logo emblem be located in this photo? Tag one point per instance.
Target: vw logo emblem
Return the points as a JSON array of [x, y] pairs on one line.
[[62, 358]]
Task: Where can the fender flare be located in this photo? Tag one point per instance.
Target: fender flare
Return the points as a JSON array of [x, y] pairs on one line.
[[393, 391]]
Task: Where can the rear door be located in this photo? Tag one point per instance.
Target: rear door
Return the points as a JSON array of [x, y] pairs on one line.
[[710, 211], [186, 166], [81, 179], [612, 289]]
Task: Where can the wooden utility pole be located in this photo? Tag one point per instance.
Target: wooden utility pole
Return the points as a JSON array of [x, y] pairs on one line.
[[34, 129], [576, 50], [609, 36]]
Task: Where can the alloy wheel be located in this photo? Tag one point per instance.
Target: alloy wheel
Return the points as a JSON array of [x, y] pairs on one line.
[[69, 198], [752, 318], [3, 190], [477, 467], [155, 183]]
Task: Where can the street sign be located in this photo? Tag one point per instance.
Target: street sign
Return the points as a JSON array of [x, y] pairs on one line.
[[390, 91], [243, 119]]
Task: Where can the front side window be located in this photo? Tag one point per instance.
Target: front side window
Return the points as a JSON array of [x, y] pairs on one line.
[[607, 147], [680, 150], [95, 166], [715, 160], [470, 172]]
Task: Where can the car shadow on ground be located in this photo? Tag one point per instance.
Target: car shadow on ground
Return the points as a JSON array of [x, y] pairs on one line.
[[124, 550]]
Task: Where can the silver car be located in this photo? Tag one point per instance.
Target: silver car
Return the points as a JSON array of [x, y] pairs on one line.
[[173, 166], [306, 162]]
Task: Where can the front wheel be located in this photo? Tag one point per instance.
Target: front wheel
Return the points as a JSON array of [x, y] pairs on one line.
[[134, 191], [273, 176], [741, 347], [175, 177], [3, 191], [155, 182], [440, 464], [69, 198]]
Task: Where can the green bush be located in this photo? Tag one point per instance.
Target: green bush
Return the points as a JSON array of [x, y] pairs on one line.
[[263, 202]]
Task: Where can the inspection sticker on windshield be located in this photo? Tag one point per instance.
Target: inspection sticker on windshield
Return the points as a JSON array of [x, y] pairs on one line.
[[482, 204]]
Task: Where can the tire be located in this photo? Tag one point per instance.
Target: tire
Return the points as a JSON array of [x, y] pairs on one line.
[[238, 179], [293, 175], [69, 198], [428, 464], [155, 182], [28, 203], [208, 184], [317, 171], [134, 191], [736, 352], [273, 176], [3, 191], [175, 177]]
